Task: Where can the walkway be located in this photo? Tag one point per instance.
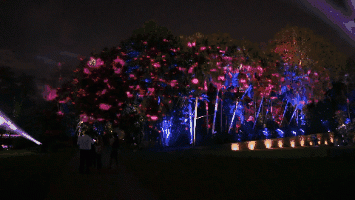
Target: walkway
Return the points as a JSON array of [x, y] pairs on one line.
[[116, 183]]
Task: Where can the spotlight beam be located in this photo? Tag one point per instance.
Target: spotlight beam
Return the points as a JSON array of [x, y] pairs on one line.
[[6, 122]]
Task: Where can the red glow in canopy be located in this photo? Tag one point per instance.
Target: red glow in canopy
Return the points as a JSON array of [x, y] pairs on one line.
[[221, 78], [119, 60], [154, 118], [84, 117], [104, 106], [156, 65], [100, 119], [173, 83], [86, 71], [151, 89], [129, 95], [194, 80], [49, 94]]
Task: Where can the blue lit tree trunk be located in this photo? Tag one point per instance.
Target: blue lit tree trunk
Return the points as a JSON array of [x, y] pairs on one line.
[[257, 115], [235, 110], [293, 114], [283, 116], [166, 125], [196, 101], [190, 120], [215, 112], [207, 123]]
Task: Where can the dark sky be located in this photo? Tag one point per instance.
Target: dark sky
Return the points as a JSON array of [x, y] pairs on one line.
[[35, 35]]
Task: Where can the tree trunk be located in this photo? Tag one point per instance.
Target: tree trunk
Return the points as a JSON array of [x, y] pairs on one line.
[[215, 112], [207, 117], [195, 120], [235, 110], [221, 115], [190, 119], [284, 113], [257, 115], [293, 114]]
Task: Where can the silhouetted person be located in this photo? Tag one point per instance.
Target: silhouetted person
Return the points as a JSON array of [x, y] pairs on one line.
[[85, 142], [98, 148], [114, 142]]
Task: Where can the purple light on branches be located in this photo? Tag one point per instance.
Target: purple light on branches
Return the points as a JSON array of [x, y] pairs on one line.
[[4, 121]]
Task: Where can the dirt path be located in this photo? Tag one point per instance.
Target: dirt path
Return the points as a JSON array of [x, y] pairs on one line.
[[115, 183]]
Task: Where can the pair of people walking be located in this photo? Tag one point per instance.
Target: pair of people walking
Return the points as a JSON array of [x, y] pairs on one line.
[[91, 151]]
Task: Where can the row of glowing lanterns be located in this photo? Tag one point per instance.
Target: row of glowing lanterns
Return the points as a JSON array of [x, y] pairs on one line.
[[280, 142]]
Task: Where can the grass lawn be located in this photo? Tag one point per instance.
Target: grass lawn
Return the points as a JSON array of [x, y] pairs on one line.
[[29, 176], [12, 153], [201, 174]]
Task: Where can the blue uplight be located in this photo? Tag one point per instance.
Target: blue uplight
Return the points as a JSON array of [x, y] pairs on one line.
[[302, 131], [166, 129], [347, 121], [280, 132], [266, 133]]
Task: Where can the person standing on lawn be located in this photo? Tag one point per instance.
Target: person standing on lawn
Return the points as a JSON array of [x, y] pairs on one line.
[[85, 142], [114, 143], [98, 148]]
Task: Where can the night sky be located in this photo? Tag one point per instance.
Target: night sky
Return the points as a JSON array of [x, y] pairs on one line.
[[36, 35]]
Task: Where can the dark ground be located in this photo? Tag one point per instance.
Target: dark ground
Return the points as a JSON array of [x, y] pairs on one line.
[[181, 174]]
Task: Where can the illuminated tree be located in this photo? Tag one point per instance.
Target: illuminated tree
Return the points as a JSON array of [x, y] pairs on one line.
[[98, 88], [309, 64]]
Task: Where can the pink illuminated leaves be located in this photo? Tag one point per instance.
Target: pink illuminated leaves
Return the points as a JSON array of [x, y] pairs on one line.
[[156, 65], [129, 95], [86, 71], [194, 80], [104, 106], [95, 63], [120, 61], [49, 93]]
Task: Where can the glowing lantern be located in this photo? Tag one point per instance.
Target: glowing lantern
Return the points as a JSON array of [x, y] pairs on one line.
[[280, 143], [292, 143], [302, 142], [311, 143], [325, 142], [268, 143], [331, 139], [251, 145], [235, 147]]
